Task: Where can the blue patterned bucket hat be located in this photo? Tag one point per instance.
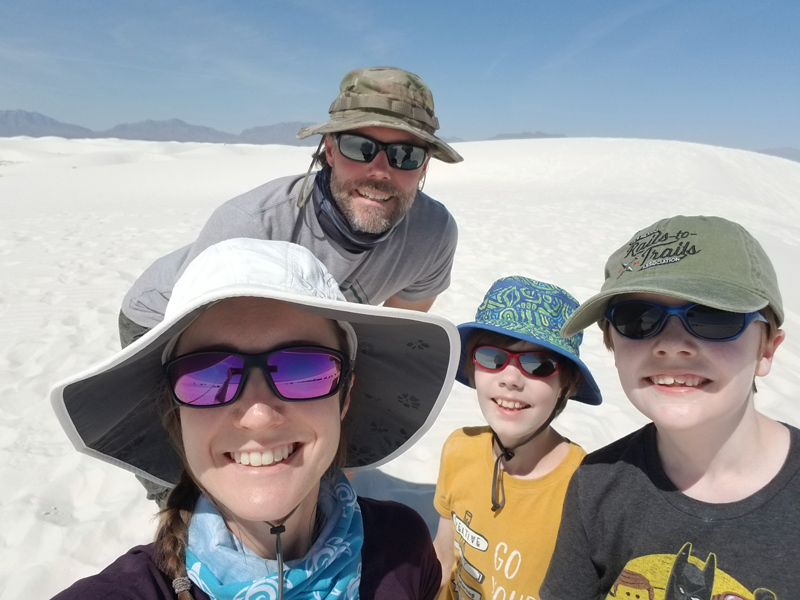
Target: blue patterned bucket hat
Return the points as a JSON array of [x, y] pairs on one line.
[[535, 312]]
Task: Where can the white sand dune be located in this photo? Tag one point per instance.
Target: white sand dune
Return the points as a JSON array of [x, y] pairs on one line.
[[80, 220]]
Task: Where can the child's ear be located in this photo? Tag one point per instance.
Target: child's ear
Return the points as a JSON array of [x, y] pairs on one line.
[[764, 364]]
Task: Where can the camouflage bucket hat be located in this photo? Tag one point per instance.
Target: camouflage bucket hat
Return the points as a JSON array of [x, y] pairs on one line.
[[707, 260], [385, 97], [532, 311]]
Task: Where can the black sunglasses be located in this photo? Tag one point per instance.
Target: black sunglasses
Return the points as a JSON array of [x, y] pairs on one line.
[[295, 373], [639, 319], [400, 155]]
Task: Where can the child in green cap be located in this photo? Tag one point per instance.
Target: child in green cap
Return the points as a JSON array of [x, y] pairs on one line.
[[501, 487], [703, 502]]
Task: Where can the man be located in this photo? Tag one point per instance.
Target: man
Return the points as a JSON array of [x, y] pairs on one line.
[[363, 214]]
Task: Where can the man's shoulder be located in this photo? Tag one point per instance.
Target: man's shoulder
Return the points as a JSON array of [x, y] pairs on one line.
[[270, 195], [427, 208]]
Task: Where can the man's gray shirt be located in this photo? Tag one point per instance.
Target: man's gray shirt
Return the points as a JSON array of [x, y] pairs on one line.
[[414, 262]]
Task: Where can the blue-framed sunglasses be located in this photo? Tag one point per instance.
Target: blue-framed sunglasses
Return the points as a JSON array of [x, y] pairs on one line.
[[400, 155], [639, 319]]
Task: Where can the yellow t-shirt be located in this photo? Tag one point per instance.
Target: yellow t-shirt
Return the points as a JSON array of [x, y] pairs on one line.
[[501, 554]]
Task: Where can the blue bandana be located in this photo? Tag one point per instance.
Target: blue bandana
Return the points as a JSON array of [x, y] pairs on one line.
[[225, 569]]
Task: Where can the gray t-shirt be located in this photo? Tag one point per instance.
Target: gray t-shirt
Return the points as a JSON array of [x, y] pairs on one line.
[[627, 532], [413, 262]]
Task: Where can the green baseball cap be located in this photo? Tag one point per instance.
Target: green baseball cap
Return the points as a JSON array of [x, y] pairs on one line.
[[385, 97], [708, 260]]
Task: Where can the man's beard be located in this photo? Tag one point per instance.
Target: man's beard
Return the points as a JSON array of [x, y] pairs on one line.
[[371, 219]]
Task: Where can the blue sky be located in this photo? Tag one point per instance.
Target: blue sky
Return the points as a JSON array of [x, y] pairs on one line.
[[722, 72]]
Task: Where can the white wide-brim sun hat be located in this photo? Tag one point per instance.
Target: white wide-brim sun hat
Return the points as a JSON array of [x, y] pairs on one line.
[[405, 363]]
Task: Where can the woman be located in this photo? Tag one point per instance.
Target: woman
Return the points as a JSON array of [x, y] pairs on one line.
[[268, 384]]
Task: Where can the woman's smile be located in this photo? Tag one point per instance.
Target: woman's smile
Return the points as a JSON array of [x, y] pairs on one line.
[[265, 458]]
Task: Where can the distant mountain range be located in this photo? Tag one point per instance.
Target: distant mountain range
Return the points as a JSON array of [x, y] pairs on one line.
[[33, 124]]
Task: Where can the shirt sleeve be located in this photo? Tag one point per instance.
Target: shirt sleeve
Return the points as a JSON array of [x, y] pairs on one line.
[[227, 222], [437, 277], [245, 216], [441, 498]]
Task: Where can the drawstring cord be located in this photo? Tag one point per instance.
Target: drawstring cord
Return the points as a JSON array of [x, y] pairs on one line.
[[302, 198], [498, 492], [277, 530]]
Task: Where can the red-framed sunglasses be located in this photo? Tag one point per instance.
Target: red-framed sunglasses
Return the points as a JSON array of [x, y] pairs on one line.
[[534, 363]]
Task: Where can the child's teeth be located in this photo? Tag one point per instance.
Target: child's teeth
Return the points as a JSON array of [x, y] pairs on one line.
[[511, 405], [687, 380]]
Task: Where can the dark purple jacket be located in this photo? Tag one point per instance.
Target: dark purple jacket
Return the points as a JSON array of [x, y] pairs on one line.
[[398, 562]]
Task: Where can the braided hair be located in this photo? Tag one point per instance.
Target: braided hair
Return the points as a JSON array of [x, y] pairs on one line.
[[173, 530], [173, 520]]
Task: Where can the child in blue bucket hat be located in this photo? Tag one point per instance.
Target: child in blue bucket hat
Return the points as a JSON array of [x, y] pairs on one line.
[[523, 372]]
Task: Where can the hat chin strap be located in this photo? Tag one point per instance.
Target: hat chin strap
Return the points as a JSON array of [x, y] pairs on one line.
[[277, 530], [303, 196], [498, 492]]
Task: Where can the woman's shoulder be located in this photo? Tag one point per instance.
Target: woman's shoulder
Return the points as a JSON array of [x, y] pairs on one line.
[[383, 516], [398, 559], [133, 575]]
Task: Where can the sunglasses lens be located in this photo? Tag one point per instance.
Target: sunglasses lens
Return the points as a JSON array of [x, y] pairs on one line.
[[358, 148], [636, 320], [304, 374], [639, 320], [714, 324], [214, 378], [406, 157], [538, 364], [490, 358], [206, 379]]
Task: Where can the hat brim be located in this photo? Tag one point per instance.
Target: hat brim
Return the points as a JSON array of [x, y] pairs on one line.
[[702, 290], [588, 391], [438, 148], [405, 366]]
